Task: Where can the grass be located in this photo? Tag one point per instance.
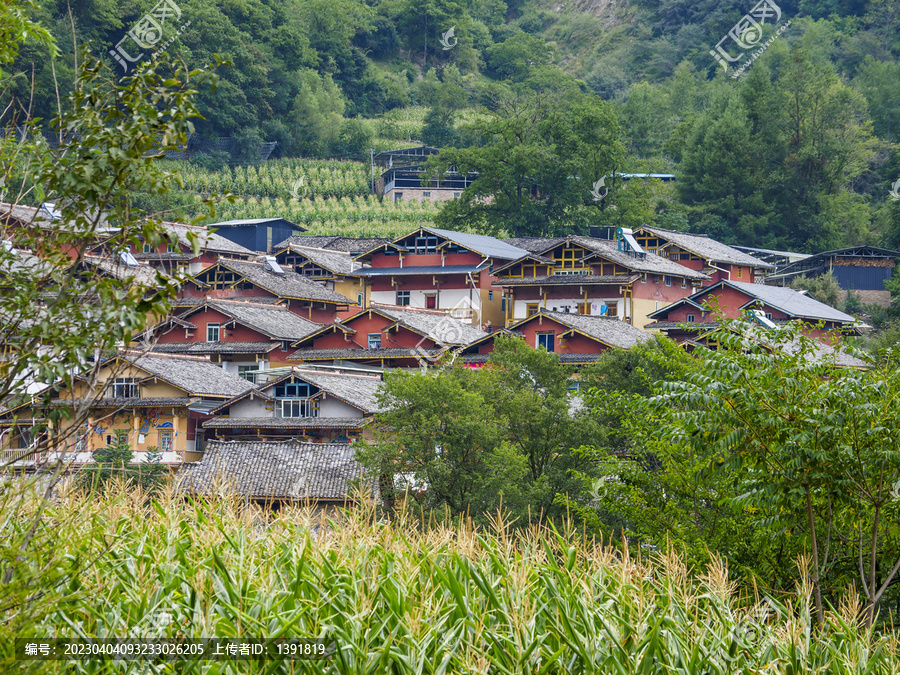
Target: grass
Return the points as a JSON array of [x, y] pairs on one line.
[[400, 599]]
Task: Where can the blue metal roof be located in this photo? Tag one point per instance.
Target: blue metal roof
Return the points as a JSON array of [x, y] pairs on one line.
[[490, 247]]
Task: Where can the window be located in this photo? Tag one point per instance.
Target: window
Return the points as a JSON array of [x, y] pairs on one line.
[[292, 390], [426, 244], [374, 341], [426, 194], [561, 273], [668, 280], [683, 282], [359, 299], [248, 372], [124, 387], [643, 278], [502, 302], [295, 407], [546, 340], [531, 309], [398, 196], [455, 195], [165, 441], [403, 298], [490, 296], [740, 272], [212, 332], [691, 318], [148, 248], [769, 315]]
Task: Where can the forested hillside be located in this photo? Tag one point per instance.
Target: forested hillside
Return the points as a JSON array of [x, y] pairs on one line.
[[796, 150]]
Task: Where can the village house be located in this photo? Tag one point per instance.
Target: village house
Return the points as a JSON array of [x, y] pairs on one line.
[[335, 270], [387, 336], [158, 401], [577, 338], [45, 225], [768, 305], [403, 174], [862, 270], [312, 405], [263, 281], [332, 242], [699, 252], [597, 277], [274, 473], [439, 270], [257, 234], [242, 335]]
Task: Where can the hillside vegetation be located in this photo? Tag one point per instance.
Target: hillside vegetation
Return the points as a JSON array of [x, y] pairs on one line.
[[798, 152]]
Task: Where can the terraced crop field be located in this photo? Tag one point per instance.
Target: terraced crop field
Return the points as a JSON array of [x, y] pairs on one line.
[[360, 216]]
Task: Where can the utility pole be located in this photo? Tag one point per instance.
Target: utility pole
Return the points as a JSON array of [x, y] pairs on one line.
[[372, 168]]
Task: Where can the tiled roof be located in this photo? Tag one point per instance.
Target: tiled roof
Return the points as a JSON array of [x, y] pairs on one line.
[[34, 214], [608, 330], [563, 358], [793, 302], [333, 261], [357, 390], [215, 347], [18, 262], [352, 245], [567, 280], [535, 244], [141, 274], [412, 269], [650, 263], [286, 423], [438, 326], [274, 470], [489, 247], [157, 402], [286, 285], [764, 336], [707, 248], [276, 322], [359, 354], [209, 241], [195, 376]]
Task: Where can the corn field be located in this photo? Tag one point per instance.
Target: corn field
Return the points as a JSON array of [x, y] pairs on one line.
[[360, 216], [396, 598], [280, 178]]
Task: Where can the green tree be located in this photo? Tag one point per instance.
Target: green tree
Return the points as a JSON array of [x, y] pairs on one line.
[[470, 440], [543, 153], [113, 464], [823, 288], [809, 444], [55, 317], [317, 114]]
